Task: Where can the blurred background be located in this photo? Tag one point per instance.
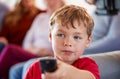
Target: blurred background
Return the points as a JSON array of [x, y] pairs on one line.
[[40, 4]]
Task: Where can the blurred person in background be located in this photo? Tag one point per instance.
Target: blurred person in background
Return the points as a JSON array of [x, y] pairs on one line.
[[37, 37], [17, 22], [36, 42], [106, 32]]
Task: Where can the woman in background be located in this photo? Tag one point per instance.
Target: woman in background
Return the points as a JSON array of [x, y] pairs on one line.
[[37, 38], [16, 24], [18, 21]]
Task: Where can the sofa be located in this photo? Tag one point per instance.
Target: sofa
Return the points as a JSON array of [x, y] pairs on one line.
[[108, 62]]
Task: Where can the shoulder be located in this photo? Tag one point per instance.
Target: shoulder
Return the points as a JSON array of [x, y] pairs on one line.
[[33, 71], [84, 61], [88, 64], [38, 19], [42, 15]]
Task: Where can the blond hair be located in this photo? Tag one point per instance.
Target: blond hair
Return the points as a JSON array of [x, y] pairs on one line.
[[70, 13]]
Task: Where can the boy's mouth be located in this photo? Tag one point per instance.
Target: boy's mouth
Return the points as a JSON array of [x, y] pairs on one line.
[[68, 52]]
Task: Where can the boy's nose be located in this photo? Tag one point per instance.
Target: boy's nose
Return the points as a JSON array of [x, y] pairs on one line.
[[67, 43]]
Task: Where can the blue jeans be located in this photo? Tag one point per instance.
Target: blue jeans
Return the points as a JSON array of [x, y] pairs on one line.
[[18, 71]]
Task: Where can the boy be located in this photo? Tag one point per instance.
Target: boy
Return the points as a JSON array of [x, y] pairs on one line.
[[70, 34]]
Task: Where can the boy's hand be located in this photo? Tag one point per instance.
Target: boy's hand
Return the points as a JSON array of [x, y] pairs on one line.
[[66, 71], [60, 73]]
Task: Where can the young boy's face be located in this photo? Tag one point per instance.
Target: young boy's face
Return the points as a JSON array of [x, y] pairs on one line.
[[69, 43]]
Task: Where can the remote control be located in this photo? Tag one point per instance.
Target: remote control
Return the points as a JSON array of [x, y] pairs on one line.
[[48, 64]]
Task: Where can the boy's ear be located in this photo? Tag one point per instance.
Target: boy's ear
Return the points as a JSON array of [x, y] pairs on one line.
[[50, 37], [89, 41]]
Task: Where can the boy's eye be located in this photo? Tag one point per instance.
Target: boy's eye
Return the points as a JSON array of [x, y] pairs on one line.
[[61, 35], [77, 37]]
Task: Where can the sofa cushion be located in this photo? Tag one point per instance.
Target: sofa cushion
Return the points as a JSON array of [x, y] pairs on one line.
[[109, 64]]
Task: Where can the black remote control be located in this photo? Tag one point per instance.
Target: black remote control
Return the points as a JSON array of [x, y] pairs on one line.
[[48, 64]]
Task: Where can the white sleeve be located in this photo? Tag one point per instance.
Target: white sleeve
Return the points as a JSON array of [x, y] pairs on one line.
[[29, 38]]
